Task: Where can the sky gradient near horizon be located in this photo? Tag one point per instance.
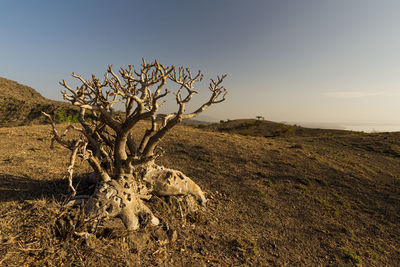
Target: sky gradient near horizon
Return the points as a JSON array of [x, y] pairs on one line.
[[287, 60]]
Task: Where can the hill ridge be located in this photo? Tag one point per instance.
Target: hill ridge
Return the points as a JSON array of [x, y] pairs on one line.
[[22, 105]]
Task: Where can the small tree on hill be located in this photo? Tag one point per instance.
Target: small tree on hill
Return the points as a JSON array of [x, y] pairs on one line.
[[124, 169], [260, 118]]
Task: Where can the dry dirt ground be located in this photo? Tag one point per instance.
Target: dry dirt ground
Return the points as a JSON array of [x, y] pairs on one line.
[[309, 201]]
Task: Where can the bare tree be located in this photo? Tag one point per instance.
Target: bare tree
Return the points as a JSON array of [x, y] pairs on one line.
[[124, 168], [259, 118]]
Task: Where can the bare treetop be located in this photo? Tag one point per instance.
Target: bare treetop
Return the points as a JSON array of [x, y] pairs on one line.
[[141, 90]]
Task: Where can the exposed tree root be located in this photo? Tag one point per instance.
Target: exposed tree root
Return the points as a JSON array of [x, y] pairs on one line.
[[124, 197]]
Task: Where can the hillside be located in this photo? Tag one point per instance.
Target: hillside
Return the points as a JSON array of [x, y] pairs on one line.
[[264, 128], [21, 105], [318, 200]]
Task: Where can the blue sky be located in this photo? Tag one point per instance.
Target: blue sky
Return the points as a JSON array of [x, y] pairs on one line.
[[297, 61]]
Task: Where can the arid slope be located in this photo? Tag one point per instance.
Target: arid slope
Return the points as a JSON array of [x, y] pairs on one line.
[[21, 105], [320, 200]]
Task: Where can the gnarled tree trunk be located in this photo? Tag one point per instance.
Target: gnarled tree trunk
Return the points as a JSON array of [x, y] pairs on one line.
[[123, 196]]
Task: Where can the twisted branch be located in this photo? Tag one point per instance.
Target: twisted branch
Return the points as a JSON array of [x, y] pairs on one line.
[[142, 91]]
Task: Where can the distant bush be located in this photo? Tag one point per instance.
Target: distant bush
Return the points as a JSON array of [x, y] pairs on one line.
[[61, 117]]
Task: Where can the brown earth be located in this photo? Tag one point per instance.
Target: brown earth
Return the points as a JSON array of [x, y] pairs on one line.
[[326, 200]]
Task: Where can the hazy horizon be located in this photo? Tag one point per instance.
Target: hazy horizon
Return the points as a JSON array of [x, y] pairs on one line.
[[295, 61]]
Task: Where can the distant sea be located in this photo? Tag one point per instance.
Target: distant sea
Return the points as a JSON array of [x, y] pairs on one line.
[[360, 127], [371, 128]]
